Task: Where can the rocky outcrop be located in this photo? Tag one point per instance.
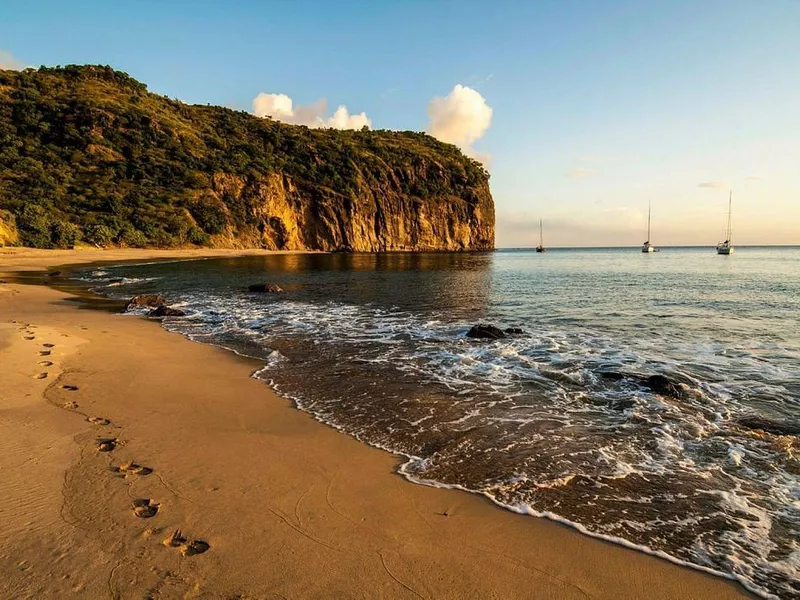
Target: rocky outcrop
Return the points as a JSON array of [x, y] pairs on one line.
[[146, 301], [489, 332], [8, 229], [265, 288], [657, 384], [166, 311], [379, 216], [662, 386]]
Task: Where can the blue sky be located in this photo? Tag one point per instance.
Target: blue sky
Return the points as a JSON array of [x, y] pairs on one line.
[[597, 107]]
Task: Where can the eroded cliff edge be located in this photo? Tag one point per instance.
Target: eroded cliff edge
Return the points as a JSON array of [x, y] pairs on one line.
[[88, 155]]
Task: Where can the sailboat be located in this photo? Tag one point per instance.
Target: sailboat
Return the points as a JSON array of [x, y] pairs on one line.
[[540, 247], [647, 247], [726, 247]]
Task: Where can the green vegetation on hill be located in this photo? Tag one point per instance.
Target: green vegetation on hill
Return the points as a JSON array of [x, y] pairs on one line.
[[88, 154]]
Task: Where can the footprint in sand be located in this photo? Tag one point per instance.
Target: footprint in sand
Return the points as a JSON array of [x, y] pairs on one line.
[[144, 508], [44, 352], [45, 363], [106, 444], [29, 337], [176, 540], [98, 421], [131, 468], [195, 547], [70, 388], [40, 376], [70, 405], [48, 345]]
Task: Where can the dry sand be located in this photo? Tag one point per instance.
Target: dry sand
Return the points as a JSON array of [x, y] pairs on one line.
[[290, 507]]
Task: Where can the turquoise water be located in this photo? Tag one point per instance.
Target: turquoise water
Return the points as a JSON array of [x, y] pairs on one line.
[[555, 421]]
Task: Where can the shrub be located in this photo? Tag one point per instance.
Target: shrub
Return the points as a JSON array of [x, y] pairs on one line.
[[132, 237], [34, 225], [209, 215], [64, 234], [99, 235], [198, 237]]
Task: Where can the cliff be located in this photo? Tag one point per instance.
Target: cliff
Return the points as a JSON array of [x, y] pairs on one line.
[[88, 155]]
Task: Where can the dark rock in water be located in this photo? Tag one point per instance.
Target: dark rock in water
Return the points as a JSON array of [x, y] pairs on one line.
[[613, 375], [769, 425], [116, 280], [659, 384], [514, 330], [146, 301], [54, 274], [166, 311], [623, 403], [265, 288], [486, 332]]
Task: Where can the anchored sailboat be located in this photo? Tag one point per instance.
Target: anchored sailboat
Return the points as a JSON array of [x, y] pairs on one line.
[[726, 247], [647, 247], [540, 247]]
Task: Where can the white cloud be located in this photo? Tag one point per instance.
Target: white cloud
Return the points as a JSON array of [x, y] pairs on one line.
[[460, 118], [7, 61], [713, 184], [277, 106], [281, 108], [580, 173], [342, 119]]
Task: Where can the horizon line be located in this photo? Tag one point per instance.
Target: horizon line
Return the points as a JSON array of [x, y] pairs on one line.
[[795, 245]]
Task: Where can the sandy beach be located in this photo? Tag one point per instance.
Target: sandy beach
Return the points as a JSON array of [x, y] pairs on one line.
[[115, 434]]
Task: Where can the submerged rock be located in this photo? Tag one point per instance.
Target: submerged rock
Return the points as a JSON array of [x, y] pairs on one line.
[[659, 384], [769, 425], [514, 330], [612, 375], [146, 301], [265, 288], [486, 332], [166, 311]]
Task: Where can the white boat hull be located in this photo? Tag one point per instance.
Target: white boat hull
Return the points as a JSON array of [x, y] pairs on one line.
[[725, 250]]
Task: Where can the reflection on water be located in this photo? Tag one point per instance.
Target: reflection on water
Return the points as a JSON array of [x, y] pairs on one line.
[[555, 420]]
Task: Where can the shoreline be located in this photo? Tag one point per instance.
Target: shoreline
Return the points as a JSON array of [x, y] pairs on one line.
[[257, 465]]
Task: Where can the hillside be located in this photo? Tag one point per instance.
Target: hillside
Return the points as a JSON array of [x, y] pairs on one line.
[[88, 155]]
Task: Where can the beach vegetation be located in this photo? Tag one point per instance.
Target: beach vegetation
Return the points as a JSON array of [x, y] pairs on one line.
[[88, 154]]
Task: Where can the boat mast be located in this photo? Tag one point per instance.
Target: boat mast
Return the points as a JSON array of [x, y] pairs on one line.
[[649, 207], [730, 200], [541, 239]]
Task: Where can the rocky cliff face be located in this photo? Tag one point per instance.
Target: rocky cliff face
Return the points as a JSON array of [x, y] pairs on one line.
[[8, 231], [294, 215], [89, 155]]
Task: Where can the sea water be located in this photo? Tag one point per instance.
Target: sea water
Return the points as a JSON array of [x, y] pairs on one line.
[[554, 421]]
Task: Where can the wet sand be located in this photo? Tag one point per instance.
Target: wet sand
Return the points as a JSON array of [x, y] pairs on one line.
[[114, 434]]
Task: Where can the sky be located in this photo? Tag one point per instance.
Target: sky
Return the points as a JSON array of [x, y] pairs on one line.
[[584, 112]]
